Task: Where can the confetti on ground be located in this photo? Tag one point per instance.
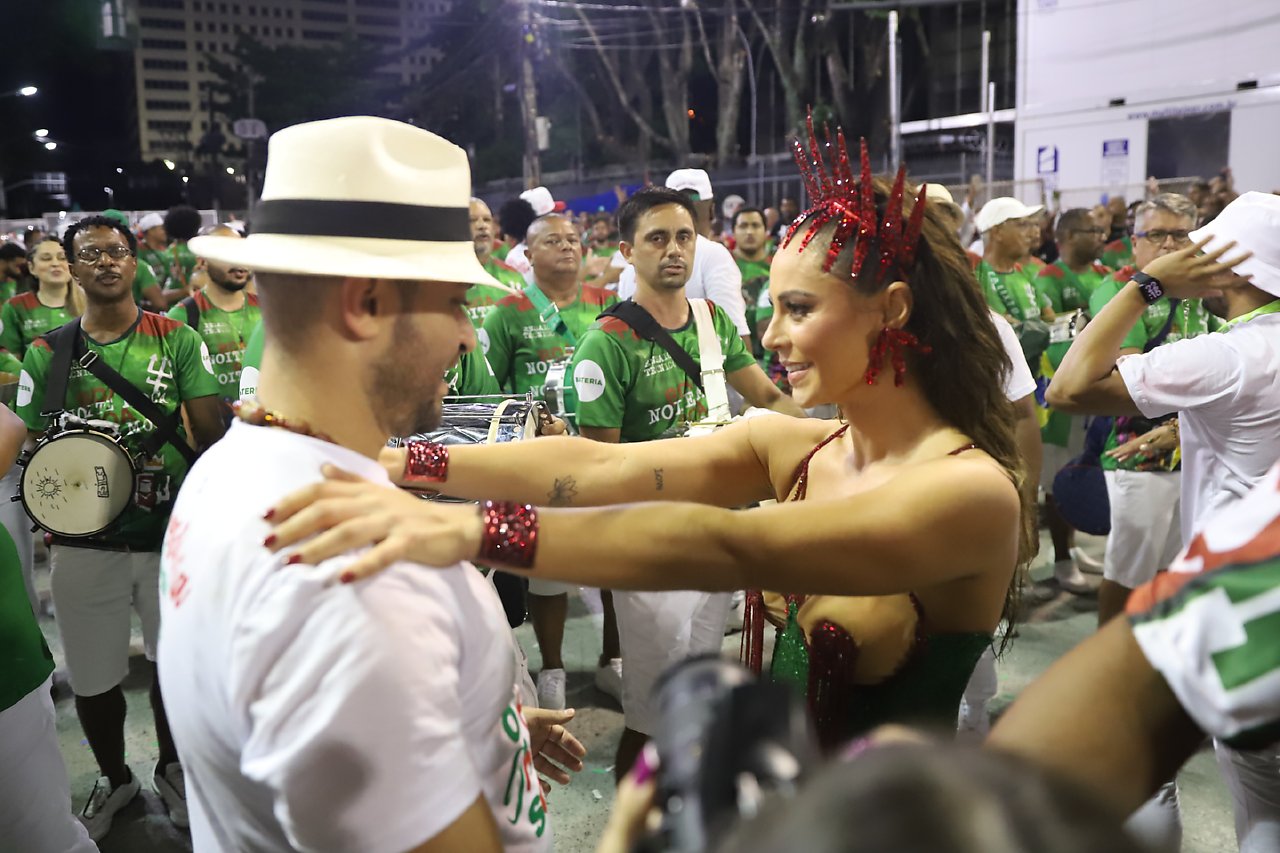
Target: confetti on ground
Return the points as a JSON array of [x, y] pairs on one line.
[[595, 792]]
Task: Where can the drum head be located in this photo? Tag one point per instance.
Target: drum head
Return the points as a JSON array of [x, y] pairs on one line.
[[77, 483]]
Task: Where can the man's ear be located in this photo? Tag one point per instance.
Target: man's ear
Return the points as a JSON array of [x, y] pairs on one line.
[[625, 248], [364, 304]]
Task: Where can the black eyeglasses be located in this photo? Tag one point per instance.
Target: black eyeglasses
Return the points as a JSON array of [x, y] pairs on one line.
[[1156, 238], [91, 254]]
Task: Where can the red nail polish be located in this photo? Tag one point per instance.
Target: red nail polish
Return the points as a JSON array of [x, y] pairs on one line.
[[293, 560], [347, 577], [271, 513], [269, 541]]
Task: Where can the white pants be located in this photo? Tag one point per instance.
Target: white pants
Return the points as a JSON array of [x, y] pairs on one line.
[[93, 594], [1253, 778], [1146, 531], [35, 794], [18, 523], [657, 630]]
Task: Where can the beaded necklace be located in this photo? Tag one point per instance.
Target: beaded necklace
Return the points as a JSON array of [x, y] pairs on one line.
[[256, 415]]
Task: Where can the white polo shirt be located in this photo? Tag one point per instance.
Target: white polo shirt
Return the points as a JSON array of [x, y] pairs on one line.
[[311, 715], [715, 276], [1226, 390]]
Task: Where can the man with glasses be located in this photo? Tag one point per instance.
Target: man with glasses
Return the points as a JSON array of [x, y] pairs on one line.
[[523, 337], [98, 580], [1224, 390]]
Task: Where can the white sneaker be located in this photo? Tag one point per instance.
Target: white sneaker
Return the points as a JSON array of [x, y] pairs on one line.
[[609, 679], [1070, 579], [171, 785], [551, 689], [104, 802], [1085, 563]]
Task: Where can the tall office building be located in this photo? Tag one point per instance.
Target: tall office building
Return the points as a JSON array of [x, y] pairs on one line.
[[173, 40]]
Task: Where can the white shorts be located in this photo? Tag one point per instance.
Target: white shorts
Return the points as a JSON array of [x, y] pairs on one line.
[[93, 592], [35, 798], [657, 630], [546, 588], [1146, 530]]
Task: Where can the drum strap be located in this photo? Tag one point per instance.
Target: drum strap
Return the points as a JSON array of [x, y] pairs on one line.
[[643, 324], [68, 344], [711, 355]]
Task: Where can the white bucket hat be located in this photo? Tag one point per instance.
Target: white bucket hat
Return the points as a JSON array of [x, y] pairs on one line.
[[363, 197], [1253, 221], [1003, 209], [151, 220], [541, 201]]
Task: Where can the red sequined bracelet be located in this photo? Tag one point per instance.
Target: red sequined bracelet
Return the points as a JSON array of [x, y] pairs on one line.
[[426, 462], [510, 535]]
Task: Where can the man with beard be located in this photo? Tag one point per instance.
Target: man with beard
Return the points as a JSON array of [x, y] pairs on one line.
[[98, 580], [483, 296], [1119, 249], [751, 252], [224, 315], [315, 715], [13, 266], [1225, 391]]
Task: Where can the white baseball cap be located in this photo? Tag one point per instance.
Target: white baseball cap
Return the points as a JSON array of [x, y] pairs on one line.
[[151, 220], [1002, 209], [540, 200], [1253, 222], [696, 180]]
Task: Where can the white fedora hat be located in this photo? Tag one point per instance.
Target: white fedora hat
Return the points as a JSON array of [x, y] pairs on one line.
[[1253, 222], [359, 196]]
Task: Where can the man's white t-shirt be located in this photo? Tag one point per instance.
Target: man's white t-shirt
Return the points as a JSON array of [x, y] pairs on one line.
[[715, 276], [1226, 390], [312, 715], [1019, 383]]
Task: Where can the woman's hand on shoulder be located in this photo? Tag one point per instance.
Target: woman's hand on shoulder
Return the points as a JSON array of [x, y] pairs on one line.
[[345, 513]]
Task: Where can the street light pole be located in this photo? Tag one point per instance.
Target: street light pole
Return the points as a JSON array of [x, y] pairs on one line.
[[529, 98], [755, 154]]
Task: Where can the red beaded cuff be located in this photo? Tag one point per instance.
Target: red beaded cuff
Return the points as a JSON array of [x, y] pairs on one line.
[[426, 462], [510, 535]]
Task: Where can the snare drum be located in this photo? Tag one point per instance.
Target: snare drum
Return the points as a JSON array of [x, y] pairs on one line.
[[557, 392], [78, 482]]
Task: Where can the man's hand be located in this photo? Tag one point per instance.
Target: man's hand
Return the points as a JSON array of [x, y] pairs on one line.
[[1157, 442], [555, 751], [1187, 274]]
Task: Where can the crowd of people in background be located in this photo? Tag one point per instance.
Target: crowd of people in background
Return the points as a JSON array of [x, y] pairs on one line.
[[1126, 353]]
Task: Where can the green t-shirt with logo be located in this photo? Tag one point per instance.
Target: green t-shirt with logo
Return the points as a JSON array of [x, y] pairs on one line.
[[521, 347], [1190, 319], [24, 657], [168, 362], [251, 363], [482, 298], [1118, 253], [1010, 293], [23, 319], [755, 282], [625, 382], [225, 333]]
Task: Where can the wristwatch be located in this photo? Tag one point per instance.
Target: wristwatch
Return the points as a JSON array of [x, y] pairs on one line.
[[1150, 287]]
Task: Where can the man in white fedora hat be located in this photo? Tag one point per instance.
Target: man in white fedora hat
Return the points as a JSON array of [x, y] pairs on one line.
[[715, 274], [1225, 389], [312, 715]]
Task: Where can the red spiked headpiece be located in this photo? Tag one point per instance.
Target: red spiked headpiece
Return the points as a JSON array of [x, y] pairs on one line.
[[838, 198]]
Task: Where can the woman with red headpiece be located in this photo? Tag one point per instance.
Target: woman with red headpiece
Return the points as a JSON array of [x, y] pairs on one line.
[[897, 533]]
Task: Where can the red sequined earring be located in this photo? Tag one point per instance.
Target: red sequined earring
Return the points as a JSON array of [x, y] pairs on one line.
[[893, 345]]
